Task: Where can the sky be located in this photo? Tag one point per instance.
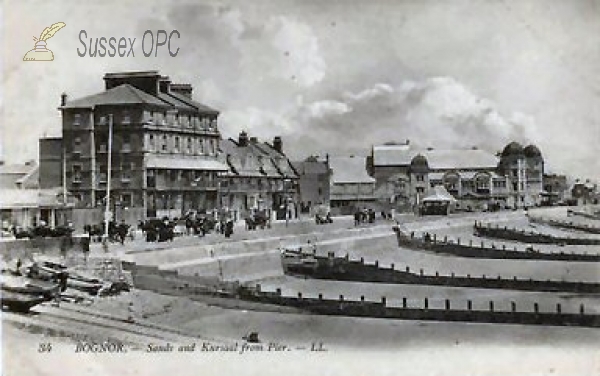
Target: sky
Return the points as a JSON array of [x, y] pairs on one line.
[[334, 76]]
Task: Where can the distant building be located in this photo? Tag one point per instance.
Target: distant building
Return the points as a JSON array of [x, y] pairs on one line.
[[555, 189], [351, 187], [24, 204], [584, 193], [476, 178], [259, 178], [314, 178]]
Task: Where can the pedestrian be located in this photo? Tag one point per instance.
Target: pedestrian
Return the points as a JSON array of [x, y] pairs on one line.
[[85, 246], [356, 218]]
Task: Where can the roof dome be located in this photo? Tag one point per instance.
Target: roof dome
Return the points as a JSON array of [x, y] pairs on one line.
[[514, 148], [419, 164], [532, 151]]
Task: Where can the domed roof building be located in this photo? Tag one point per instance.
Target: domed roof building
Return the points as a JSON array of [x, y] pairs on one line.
[[532, 151], [419, 164], [513, 149]]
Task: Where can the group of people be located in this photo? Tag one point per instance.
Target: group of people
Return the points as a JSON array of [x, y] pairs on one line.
[[364, 216]]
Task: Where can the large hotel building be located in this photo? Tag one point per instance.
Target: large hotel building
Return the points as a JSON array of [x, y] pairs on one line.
[[166, 156]]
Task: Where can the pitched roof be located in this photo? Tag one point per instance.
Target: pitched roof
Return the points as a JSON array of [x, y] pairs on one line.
[[311, 167], [402, 155], [199, 106], [122, 94], [349, 170], [460, 159]]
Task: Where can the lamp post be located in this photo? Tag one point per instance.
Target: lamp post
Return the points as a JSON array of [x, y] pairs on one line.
[[107, 214]]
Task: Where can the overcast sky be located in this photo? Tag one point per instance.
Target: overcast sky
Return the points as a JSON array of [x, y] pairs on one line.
[[335, 76]]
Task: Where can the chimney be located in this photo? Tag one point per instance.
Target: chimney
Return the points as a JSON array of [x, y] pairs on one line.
[[243, 139], [182, 89], [278, 144], [63, 99], [253, 139], [164, 85]]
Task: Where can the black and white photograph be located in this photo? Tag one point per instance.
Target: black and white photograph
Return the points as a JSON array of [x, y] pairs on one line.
[[287, 187]]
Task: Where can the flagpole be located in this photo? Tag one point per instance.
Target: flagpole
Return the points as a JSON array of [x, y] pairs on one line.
[[108, 178]]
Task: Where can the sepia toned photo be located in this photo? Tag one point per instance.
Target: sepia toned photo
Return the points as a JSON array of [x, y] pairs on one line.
[[292, 187]]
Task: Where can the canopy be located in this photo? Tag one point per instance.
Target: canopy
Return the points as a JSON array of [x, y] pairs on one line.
[[439, 194]]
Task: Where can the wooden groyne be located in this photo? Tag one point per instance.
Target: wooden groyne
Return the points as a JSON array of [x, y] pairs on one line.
[[345, 269], [235, 296], [506, 233], [567, 225], [450, 312], [483, 250]]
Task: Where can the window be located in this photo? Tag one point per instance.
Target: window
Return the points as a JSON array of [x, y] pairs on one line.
[[150, 179], [420, 177], [102, 120], [164, 143], [126, 118], [126, 200], [102, 144], [77, 173], [420, 190], [177, 146], [77, 119], [147, 117], [103, 176], [126, 143], [77, 145], [201, 141], [151, 143], [190, 148]]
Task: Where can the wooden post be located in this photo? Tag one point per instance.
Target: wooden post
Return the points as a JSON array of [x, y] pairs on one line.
[[513, 307], [469, 305], [300, 295], [426, 303], [404, 302], [491, 306], [447, 304], [536, 307]]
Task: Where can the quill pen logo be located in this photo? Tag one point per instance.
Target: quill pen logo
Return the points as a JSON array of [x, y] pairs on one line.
[[40, 52]]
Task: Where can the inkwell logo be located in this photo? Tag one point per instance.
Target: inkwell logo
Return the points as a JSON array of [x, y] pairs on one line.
[[40, 52]]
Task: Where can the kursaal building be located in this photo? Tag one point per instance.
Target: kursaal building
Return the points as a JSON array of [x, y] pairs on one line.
[[405, 175], [165, 151]]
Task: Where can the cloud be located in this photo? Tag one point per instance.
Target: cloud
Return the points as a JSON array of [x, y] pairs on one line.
[[439, 112]]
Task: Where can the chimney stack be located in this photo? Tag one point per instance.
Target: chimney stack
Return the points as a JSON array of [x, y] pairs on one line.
[[278, 144], [243, 139], [63, 99], [183, 89]]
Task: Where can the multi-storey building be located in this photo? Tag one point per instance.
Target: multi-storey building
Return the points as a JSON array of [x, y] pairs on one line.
[[351, 187], [476, 178], [314, 178], [260, 178], [163, 147]]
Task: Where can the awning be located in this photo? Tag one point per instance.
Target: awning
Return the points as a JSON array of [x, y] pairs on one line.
[[180, 163]]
